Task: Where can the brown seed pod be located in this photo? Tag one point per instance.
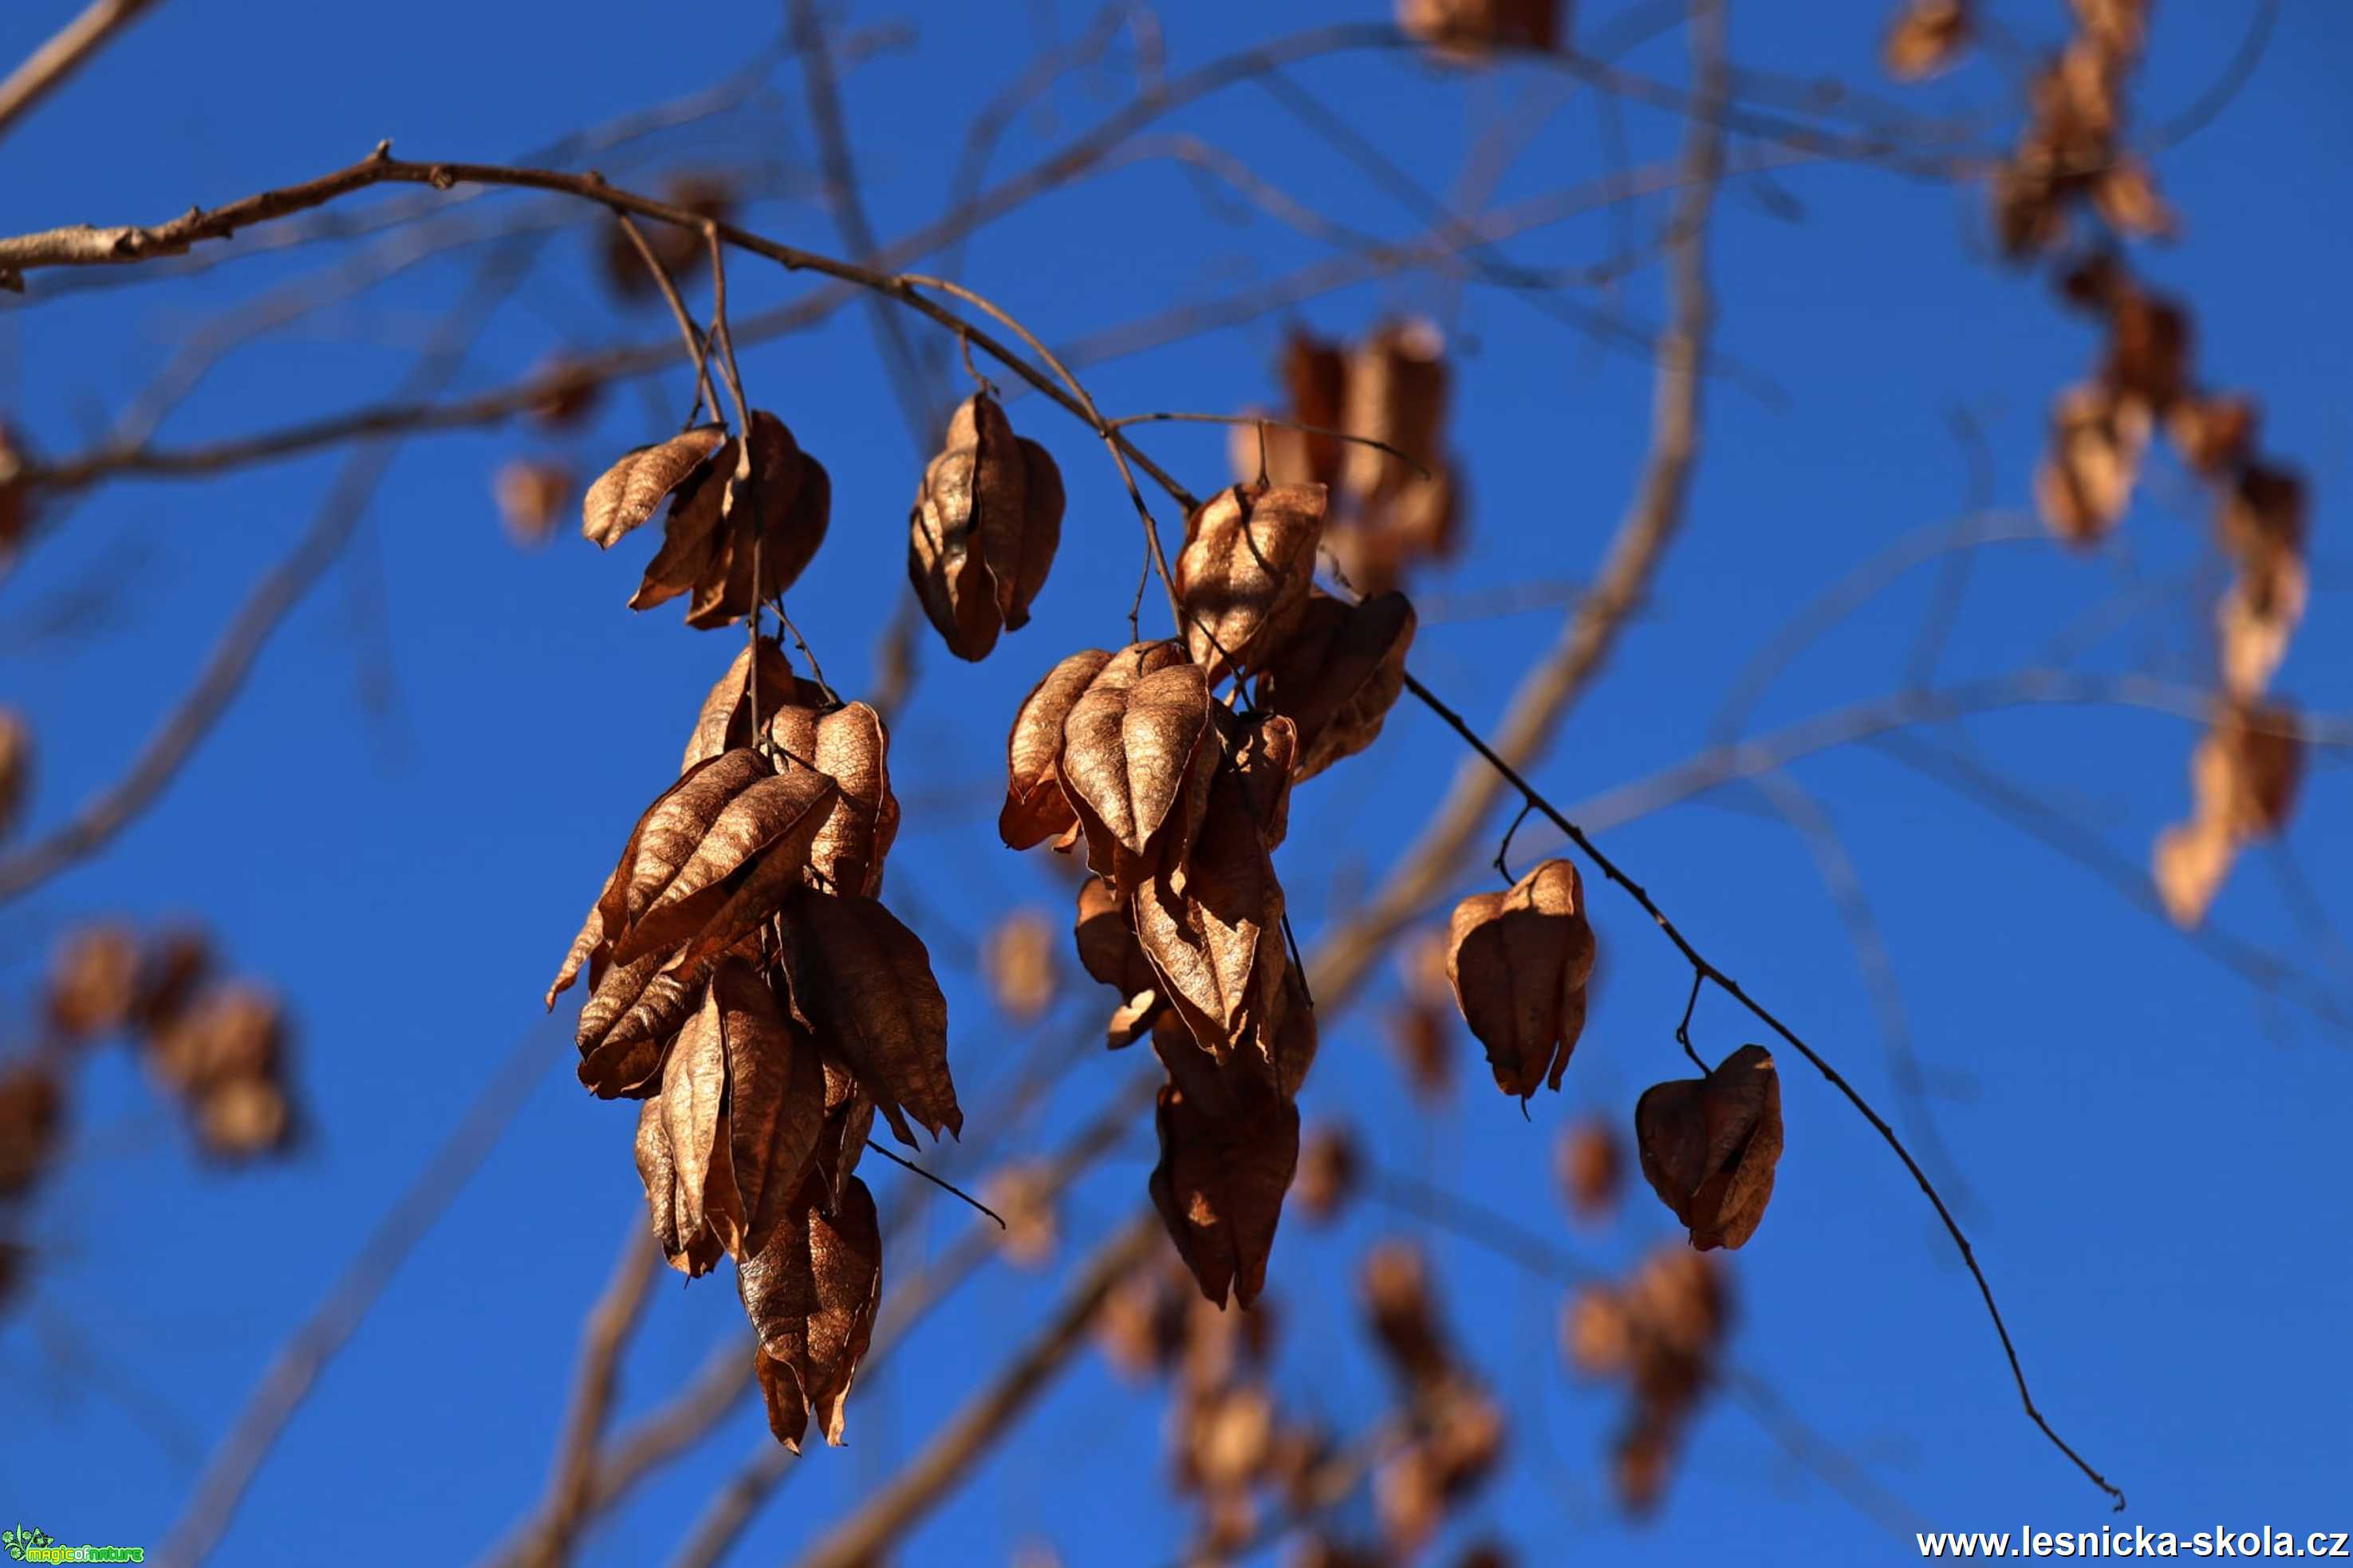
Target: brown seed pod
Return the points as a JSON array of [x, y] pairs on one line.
[[16, 504], [32, 1116], [2148, 347], [2245, 771], [94, 980], [724, 723], [1105, 932], [1244, 575], [1329, 1173], [865, 982], [1136, 760], [15, 764], [984, 530], [2212, 433], [775, 1112], [1396, 395], [1211, 924], [1708, 1146], [811, 1295], [1229, 1144], [2190, 863], [2086, 483], [171, 973], [1592, 1168], [775, 516], [629, 492], [1017, 959], [531, 495], [852, 746], [1035, 809], [1928, 37], [1338, 675], [1519, 961], [1464, 31]]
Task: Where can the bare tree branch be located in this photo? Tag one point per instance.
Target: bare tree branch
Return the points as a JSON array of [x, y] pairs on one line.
[[64, 53]]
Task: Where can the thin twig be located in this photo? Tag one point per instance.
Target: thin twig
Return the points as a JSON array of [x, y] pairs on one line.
[[1731, 987], [940, 1182], [66, 51], [698, 350]]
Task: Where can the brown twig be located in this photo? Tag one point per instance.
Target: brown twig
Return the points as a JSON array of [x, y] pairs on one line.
[[66, 51], [698, 350], [258, 618]]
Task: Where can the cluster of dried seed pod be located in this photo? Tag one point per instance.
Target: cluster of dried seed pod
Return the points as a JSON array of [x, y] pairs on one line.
[[1421, 1023], [1591, 1163], [1708, 1146], [734, 515], [1231, 1447], [748, 985], [984, 526], [1180, 801], [2146, 381], [1662, 1333], [1387, 513], [216, 1046], [2071, 151], [1454, 1427], [2244, 777], [1519, 961], [1466, 31]]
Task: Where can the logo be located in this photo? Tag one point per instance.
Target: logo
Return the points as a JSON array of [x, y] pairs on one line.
[[24, 1544]]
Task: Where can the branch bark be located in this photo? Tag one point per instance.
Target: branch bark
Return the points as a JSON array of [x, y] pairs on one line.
[[46, 67]]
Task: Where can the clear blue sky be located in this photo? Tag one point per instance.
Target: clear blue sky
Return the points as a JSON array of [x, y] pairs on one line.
[[2152, 1146]]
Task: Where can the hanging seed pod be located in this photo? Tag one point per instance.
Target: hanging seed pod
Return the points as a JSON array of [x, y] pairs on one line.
[[852, 746], [724, 723], [2190, 863], [2086, 483], [531, 497], [1038, 799], [2148, 348], [1329, 1170], [1396, 395], [777, 516], [1591, 1167], [1017, 959], [629, 492], [865, 982], [1211, 924], [1105, 932], [1708, 1146], [1243, 575], [984, 530], [2212, 434], [15, 768], [1136, 760], [2245, 771], [1519, 961], [32, 1116], [811, 1295], [1928, 38], [16, 504], [1228, 1144], [92, 981], [1464, 31], [1338, 675]]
